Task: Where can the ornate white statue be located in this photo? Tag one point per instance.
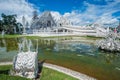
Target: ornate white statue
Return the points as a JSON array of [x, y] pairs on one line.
[[25, 64], [109, 43]]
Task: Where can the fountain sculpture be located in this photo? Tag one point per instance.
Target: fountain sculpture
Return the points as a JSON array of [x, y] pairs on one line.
[[25, 63], [110, 43]]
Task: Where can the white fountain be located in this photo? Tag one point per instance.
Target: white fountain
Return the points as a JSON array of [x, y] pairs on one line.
[[25, 63], [110, 43]]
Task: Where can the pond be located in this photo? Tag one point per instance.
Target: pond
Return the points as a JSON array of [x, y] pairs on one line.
[[72, 52]]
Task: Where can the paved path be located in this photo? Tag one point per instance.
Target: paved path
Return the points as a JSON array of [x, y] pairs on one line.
[[67, 71], [70, 72]]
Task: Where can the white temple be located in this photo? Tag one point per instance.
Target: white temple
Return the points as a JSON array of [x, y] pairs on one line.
[[46, 25], [45, 21]]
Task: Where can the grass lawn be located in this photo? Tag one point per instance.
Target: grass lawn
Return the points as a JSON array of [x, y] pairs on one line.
[[92, 37], [87, 37], [31, 37], [10, 36], [47, 74]]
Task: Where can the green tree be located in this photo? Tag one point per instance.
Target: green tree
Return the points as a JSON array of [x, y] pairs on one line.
[[1, 25], [9, 23]]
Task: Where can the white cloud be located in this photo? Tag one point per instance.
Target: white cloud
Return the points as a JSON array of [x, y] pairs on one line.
[[19, 7], [95, 13]]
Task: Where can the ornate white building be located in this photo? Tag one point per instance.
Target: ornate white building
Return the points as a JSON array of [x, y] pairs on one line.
[[44, 21], [46, 24]]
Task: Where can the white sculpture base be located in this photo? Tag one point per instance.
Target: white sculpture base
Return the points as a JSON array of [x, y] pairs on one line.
[[26, 64]]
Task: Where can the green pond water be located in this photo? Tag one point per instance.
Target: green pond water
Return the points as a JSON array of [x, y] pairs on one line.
[[72, 52]]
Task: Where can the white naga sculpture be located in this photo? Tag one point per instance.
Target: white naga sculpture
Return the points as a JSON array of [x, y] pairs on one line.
[[25, 63], [109, 43]]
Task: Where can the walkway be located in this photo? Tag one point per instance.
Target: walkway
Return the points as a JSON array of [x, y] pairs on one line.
[[67, 71], [70, 72]]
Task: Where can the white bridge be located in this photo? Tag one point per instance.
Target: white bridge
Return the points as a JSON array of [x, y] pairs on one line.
[[69, 31]]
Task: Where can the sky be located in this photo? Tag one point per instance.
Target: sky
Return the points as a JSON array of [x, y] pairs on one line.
[[79, 12]]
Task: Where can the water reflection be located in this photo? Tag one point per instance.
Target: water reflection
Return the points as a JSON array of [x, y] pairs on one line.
[[9, 44], [46, 44], [10, 47], [2, 45], [78, 55], [76, 47], [111, 58], [79, 48]]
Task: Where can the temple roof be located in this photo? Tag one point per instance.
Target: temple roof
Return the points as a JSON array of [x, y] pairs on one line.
[[46, 16], [48, 20], [43, 20]]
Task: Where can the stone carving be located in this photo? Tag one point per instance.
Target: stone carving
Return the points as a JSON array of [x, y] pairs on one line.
[[25, 64], [109, 43]]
